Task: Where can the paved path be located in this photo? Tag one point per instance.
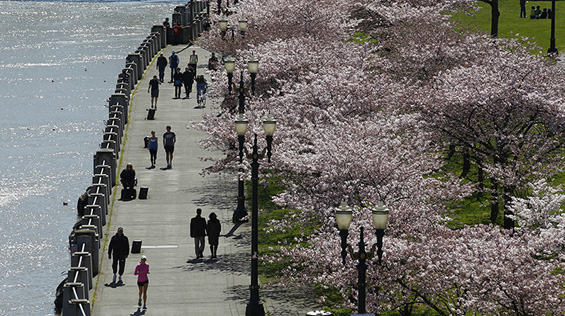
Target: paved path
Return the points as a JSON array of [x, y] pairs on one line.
[[177, 287]]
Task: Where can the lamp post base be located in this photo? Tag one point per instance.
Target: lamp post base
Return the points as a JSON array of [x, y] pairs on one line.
[[255, 309], [552, 51], [238, 214]]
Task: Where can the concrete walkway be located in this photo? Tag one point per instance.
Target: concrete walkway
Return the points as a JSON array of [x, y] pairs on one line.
[[176, 287]]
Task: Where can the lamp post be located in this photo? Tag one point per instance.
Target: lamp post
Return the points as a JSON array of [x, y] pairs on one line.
[[253, 66], [255, 306], [241, 128], [223, 25], [242, 25], [344, 216], [229, 65], [552, 49]]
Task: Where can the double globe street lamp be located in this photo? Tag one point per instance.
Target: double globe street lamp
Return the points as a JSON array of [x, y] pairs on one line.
[[255, 306], [344, 216], [242, 25], [253, 66]]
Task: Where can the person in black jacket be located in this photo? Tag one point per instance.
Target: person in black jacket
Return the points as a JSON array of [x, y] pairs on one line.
[[127, 177], [188, 80], [198, 232], [178, 83], [213, 228], [161, 66], [119, 247]]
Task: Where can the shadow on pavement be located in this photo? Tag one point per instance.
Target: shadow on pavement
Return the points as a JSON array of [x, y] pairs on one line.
[[217, 192], [114, 284], [138, 312]]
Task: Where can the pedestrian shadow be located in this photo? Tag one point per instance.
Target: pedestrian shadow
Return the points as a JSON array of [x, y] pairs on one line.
[[114, 284], [233, 263], [138, 312]]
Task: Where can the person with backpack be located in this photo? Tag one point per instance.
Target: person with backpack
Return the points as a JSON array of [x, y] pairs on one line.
[[200, 87]]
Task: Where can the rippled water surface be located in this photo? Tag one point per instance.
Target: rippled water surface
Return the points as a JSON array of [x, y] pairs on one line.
[[58, 64]]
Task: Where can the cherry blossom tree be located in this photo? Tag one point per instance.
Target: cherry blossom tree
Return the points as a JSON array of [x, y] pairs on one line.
[[503, 112], [367, 119]]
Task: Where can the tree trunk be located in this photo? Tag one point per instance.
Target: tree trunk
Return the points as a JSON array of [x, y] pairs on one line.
[[480, 177], [466, 164], [495, 14], [451, 151], [494, 204], [508, 222]]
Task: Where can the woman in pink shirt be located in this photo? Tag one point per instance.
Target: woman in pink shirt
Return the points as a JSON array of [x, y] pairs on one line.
[[142, 270]]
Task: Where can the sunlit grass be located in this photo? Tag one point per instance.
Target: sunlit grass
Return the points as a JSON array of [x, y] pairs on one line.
[[510, 23]]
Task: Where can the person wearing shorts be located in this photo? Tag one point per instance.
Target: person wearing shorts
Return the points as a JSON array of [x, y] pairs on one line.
[[154, 89], [152, 146], [142, 270], [169, 140]]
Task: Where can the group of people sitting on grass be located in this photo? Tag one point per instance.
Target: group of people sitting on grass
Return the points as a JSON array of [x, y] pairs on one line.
[[537, 13]]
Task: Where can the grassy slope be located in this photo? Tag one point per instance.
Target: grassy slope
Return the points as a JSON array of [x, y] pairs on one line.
[[510, 23]]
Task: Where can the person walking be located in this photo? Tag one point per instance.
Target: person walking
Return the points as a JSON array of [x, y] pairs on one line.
[[200, 87], [176, 33], [142, 270], [174, 62], [198, 232], [178, 83], [119, 248], [213, 228], [152, 146], [193, 61], [188, 80], [161, 66], [154, 89], [169, 140]]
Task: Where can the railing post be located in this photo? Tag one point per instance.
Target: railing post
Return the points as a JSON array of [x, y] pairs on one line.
[[86, 262], [132, 71], [107, 170], [87, 235], [80, 275], [114, 127], [138, 60], [121, 99], [160, 29], [106, 157], [103, 179]]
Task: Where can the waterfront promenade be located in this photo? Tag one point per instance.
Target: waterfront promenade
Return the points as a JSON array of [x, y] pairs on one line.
[[176, 287]]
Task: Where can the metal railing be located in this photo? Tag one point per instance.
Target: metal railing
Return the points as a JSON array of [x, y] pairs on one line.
[[87, 233]]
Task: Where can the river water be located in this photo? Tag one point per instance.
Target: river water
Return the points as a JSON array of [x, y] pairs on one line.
[[59, 63]]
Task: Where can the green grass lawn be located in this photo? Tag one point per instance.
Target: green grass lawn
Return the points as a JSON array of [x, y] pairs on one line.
[[510, 23]]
